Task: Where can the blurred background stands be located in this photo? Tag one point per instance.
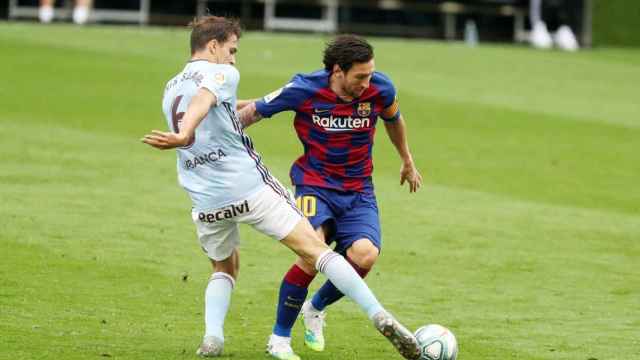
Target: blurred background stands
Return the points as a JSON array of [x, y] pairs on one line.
[[117, 11], [496, 20]]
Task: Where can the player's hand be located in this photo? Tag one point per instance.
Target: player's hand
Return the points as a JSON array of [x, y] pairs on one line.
[[165, 140], [409, 173]]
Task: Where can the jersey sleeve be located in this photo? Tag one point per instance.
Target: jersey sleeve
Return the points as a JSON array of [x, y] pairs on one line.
[[391, 108], [288, 97], [222, 81]]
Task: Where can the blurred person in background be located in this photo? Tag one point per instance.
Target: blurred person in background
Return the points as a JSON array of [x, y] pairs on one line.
[[81, 11], [540, 37]]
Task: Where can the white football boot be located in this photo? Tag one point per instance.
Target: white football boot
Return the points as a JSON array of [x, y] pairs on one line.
[[401, 338], [81, 14], [45, 14], [565, 39], [211, 347], [540, 37], [279, 347], [313, 325]]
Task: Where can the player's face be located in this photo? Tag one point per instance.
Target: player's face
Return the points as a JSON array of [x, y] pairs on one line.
[[225, 52], [357, 79]]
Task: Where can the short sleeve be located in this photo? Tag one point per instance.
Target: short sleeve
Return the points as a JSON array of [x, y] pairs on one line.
[[288, 97], [391, 109], [222, 81]]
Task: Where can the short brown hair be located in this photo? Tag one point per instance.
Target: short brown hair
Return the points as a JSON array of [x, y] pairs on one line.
[[345, 50], [207, 28]]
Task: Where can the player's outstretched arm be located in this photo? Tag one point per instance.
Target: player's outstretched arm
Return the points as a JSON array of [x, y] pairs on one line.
[[249, 115], [197, 110], [408, 171], [240, 104]]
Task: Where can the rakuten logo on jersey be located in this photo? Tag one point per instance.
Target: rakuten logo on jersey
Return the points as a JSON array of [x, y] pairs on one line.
[[332, 123]]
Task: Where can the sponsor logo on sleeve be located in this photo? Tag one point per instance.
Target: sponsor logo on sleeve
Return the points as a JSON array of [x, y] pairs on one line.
[[269, 97]]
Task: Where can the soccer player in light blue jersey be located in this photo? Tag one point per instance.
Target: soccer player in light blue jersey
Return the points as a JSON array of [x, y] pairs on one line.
[[228, 184]]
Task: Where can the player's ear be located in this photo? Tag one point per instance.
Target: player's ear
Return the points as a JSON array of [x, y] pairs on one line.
[[212, 45], [337, 69]]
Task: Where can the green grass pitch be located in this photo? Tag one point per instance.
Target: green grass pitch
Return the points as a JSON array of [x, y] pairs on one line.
[[525, 239]]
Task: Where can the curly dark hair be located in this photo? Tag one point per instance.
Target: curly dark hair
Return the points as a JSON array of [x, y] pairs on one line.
[[345, 50], [207, 28]]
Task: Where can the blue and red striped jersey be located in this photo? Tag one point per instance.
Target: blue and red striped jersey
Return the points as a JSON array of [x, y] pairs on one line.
[[337, 136]]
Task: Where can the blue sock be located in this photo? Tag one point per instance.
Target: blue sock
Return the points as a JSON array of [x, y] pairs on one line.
[[327, 295], [293, 292]]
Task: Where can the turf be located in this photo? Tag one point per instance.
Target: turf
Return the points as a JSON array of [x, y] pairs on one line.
[[524, 239]]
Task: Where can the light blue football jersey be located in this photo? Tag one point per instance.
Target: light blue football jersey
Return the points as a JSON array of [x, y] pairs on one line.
[[220, 166]]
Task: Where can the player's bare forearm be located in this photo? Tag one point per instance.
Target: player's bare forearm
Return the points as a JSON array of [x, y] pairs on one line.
[[408, 171], [249, 115], [240, 104], [198, 109], [397, 134], [196, 112]]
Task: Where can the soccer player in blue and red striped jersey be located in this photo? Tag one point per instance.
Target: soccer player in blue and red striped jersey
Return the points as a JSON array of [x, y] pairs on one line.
[[336, 111]]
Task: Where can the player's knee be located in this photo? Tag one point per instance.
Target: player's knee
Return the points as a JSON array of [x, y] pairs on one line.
[[366, 260], [363, 253], [229, 266], [226, 270]]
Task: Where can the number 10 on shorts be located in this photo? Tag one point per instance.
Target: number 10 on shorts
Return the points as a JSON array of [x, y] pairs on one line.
[[307, 204]]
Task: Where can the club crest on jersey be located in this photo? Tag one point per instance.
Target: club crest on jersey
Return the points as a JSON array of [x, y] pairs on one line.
[[364, 109]]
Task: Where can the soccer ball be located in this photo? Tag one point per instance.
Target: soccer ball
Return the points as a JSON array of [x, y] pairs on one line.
[[436, 343]]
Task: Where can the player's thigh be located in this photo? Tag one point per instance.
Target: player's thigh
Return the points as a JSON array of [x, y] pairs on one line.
[[218, 239], [306, 243], [362, 221], [273, 212], [315, 204]]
